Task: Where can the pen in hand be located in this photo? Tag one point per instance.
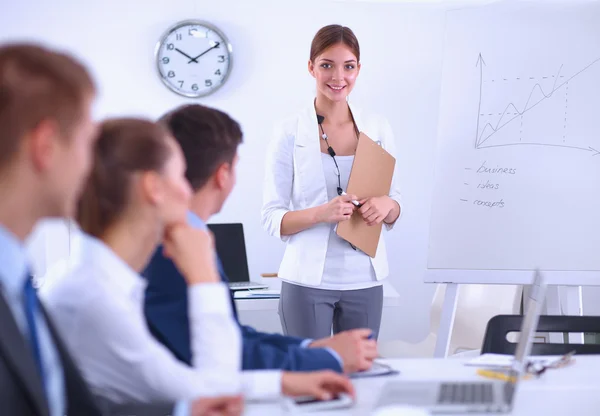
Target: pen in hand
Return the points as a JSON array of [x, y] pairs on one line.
[[354, 201]]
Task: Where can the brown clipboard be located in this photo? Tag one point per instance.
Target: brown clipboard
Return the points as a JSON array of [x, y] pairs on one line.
[[371, 175]]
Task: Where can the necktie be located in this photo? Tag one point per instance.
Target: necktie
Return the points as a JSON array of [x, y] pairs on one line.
[[31, 310]]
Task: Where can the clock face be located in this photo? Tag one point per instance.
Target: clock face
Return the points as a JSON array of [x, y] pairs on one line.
[[193, 58]]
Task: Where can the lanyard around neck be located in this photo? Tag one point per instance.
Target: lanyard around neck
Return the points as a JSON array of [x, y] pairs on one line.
[[331, 151]]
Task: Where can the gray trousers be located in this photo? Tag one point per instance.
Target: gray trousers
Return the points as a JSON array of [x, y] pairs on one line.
[[310, 313]]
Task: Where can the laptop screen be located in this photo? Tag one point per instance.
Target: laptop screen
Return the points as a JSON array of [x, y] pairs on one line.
[[231, 248], [530, 320], [526, 334]]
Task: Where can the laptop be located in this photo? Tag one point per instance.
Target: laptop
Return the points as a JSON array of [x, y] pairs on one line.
[[473, 396], [231, 248]]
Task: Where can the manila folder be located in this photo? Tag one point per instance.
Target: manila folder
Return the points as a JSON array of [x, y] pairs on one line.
[[371, 175]]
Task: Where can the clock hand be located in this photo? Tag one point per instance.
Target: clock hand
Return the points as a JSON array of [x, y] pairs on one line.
[[216, 45], [186, 55]]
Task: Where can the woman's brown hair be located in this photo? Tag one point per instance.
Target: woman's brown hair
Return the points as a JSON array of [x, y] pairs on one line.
[[332, 35], [125, 146]]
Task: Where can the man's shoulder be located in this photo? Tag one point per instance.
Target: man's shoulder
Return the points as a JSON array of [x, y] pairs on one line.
[[160, 268]]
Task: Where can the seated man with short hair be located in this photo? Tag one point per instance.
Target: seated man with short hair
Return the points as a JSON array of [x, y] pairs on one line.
[[209, 139]]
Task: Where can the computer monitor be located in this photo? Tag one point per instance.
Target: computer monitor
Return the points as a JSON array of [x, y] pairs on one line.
[[231, 248]]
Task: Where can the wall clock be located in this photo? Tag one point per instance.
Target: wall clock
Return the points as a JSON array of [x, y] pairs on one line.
[[193, 58]]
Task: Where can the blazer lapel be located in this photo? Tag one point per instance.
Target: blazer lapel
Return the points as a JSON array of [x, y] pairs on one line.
[[78, 398], [18, 355], [308, 153], [307, 157], [357, 117], [308, 129]]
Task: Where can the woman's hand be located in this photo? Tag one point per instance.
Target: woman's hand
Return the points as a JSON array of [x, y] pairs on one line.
[[193, 252], [338, 209], [375, 209]]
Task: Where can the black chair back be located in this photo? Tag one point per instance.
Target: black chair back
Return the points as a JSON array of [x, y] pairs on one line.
[[499, 326]]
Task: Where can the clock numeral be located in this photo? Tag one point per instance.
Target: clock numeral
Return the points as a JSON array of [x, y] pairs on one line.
[[195, 87], [218, 72], [221, 58], [171, 74], [192, 32], [180, 84], [208, 83], [165, 60], [178, 36], [170, 46]]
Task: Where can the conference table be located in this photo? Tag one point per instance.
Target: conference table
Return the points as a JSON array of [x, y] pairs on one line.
[[573, 390]]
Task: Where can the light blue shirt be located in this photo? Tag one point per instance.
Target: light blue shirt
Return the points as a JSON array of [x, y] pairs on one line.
[[182, 408], [197, 222], [13, 275]]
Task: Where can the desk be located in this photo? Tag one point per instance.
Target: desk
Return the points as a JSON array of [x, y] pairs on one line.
[[574, 390]]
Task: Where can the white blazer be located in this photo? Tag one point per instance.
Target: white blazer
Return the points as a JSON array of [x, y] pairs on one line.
[[295, 180]]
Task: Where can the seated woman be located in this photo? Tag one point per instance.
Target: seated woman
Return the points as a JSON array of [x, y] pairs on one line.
[[136, 198]]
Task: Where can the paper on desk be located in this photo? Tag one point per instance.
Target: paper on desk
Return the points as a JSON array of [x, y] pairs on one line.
[[504, 361]]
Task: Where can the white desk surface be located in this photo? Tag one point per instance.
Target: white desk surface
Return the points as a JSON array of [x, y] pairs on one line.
[[570, 391]]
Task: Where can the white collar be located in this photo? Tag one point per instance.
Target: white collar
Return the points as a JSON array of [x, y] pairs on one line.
[[118, 273], [13, 263], [308, 123]]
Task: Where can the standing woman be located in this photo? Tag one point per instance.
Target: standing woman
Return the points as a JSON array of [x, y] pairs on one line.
[[325, 280]]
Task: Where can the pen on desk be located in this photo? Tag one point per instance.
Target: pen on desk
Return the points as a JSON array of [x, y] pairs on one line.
[[499, 375]]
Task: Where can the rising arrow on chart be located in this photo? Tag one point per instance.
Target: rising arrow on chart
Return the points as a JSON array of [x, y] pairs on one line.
[[479, 137], [480, 63]]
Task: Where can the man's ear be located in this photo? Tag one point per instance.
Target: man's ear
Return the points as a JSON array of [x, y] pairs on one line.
[[41, 144], [152, 189], [222, 175]]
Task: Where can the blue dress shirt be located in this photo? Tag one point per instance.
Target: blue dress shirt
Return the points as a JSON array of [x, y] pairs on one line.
[[14, 271]]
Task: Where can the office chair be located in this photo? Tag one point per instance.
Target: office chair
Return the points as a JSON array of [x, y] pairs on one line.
[[499, 326]]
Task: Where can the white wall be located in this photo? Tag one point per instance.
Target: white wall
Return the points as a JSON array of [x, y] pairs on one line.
[[401, 56]]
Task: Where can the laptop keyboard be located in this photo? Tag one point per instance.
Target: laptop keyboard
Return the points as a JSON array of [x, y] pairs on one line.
[[240, 284], [466, 393]]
